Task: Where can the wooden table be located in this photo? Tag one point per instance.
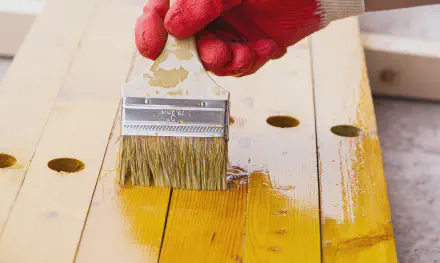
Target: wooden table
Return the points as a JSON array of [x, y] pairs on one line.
[[302, 194]]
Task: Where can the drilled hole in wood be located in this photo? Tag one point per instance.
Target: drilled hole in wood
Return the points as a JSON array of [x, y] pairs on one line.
[[388, 76], [282, 121], [7, 160], [66, 165], [346, 130]]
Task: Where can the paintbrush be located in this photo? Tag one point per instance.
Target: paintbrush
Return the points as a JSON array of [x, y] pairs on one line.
[[175, 122]]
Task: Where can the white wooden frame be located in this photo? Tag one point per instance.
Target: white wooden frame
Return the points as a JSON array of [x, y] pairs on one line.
[[403, 67], [16, 18]]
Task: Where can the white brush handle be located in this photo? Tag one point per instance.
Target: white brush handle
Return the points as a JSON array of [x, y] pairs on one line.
[[177, 73]]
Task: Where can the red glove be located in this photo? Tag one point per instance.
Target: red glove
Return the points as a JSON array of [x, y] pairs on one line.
[[237, 37]]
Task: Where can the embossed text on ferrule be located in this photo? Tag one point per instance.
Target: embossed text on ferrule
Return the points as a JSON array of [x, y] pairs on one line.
[[173, 115]]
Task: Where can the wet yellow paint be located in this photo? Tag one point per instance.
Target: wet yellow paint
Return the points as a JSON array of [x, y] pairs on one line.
[[279, 228], [363, 233], [142, 209], [205, 226]]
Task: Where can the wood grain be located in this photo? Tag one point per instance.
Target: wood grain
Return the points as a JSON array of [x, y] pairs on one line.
[[28, 91], [52, 207], [356, 220], [205, 226]]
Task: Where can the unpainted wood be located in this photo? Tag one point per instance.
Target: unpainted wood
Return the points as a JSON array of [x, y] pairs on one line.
[[28, 91], [355, 215], [49, 213]]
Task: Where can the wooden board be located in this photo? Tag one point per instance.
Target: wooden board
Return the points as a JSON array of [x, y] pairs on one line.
[[28, 91], [355, 214], [403, 67]]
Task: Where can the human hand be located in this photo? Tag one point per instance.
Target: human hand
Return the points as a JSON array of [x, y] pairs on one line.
[[237, 37]]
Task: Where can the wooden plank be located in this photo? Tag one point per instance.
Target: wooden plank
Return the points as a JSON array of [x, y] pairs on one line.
[[355, 214], [282, 211], [402, 67], [49, 213], [132, 219], [283, 208], [28, 91], [21, 14]]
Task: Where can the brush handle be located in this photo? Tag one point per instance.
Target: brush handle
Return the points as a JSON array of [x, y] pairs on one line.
[[185, 50], [177, 73]]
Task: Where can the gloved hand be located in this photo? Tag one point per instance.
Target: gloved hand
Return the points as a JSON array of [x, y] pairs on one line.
[[237, 37]]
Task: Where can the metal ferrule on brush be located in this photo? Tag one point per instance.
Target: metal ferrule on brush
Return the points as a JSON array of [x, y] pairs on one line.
[[175, 117]]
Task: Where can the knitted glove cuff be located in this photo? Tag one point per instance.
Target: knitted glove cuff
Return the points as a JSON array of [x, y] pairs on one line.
[[331, 10]]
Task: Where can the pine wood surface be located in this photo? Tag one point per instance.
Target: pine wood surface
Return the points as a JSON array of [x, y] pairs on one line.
[[298, 193]]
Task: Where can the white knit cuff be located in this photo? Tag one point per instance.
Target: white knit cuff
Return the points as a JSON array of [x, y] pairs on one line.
[[331, 10]]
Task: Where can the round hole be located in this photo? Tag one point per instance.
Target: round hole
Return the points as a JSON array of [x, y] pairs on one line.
[[282, 121], [346, 130], [388, 76], [7, 160], [66, 165]]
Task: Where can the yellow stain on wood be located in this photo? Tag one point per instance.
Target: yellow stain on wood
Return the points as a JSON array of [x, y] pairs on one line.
[[205, 226], [279, 228], [142, 210], [363, 233]]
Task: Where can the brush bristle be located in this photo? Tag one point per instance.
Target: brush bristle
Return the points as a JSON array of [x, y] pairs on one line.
[[177, 162]]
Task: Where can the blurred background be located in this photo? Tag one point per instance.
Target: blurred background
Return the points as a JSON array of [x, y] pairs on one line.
[[403, 57]]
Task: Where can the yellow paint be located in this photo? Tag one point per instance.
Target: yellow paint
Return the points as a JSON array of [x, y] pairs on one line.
[[279, 228], [363, 231], [183, 53], [168, 78], [142, 209], [205, 226], [174, 93]]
